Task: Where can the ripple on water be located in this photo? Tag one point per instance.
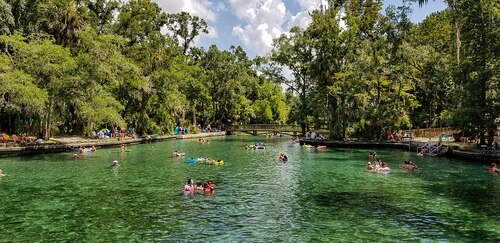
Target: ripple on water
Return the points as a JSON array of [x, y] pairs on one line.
[[315, 196]]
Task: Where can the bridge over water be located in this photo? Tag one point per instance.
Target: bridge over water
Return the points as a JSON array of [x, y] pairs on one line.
[[266, 128]]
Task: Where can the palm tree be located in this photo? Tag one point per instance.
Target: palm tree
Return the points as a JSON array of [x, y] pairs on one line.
[[61, 19]]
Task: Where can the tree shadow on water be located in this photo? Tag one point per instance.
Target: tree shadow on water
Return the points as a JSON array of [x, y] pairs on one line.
[[365, 208]]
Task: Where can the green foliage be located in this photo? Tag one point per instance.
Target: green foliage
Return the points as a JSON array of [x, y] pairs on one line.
[[73, 66]]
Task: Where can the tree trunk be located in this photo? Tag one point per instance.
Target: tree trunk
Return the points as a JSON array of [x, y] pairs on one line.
[[194, 115], [142, 110], [47, 123]]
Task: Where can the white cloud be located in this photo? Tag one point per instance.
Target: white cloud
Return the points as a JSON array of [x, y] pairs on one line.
[[263, 22], [205, 9]]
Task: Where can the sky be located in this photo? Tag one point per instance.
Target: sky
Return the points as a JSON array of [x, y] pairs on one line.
[[253, 24]]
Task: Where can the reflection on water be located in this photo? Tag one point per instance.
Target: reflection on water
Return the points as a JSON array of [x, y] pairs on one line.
[[315, 196]]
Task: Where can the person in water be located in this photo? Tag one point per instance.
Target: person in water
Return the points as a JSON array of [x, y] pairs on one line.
[[372, 156], [247, 146], [115, 164], [409, 166], [493, 168], [1, 173], [283, 157], [75, 156], [189, 186], [369, 167], [384, 168], [176, 154]]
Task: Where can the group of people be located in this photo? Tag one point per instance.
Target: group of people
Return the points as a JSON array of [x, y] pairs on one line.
[[378, 166], [115, 132], [207, 187], [258, 145], [314, 136], [202, 141], [429, 149], [23, 139], [83, 151]]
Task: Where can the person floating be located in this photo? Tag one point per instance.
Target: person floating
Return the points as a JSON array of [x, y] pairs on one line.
[[115, 164], [384, 168], [493, 168], [283, 158], [369, 167], [177, 154]]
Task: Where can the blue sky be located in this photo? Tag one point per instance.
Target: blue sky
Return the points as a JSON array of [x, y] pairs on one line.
[[253, 24]]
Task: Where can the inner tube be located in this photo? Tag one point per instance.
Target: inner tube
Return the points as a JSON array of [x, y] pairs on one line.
[[192, 161]]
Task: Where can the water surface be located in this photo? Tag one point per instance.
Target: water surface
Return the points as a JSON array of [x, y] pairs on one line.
[[315, 196]]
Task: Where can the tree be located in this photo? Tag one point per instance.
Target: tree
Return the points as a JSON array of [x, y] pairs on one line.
[[295, 53], [184, 28], [6, 18]]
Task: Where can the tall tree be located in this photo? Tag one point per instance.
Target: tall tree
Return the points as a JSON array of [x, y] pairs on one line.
[[184, 28]]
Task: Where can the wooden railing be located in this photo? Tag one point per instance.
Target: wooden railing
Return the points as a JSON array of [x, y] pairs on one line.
[[433, 132], [263, 127]]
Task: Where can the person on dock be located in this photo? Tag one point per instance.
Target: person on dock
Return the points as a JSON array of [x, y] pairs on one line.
[[493, 168]]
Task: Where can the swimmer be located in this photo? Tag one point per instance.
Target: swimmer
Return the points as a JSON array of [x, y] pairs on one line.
[[493, 168], [376, 165], [411, 166], [384, 168], [115, 164], [247, 146], [83, 150], [1, 173], [369, 166], [189, 186], [283, 158], [123, 147], [93, 148], [75, 156], [372, 156], [176, 154]]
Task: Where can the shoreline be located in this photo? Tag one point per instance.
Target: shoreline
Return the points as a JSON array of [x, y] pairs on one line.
[[454, 152], [59, 147]]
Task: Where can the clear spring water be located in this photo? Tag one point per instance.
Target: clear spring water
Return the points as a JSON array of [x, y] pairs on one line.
[[315, 196]]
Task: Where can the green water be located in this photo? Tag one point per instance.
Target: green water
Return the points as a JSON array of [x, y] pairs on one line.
[[316, 196]]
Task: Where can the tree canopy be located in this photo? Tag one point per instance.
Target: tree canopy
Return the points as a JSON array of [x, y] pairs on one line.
[[76, 66]]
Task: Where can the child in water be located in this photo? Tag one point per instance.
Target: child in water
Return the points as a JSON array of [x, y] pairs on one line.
[[493, 168], [189, 187]]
